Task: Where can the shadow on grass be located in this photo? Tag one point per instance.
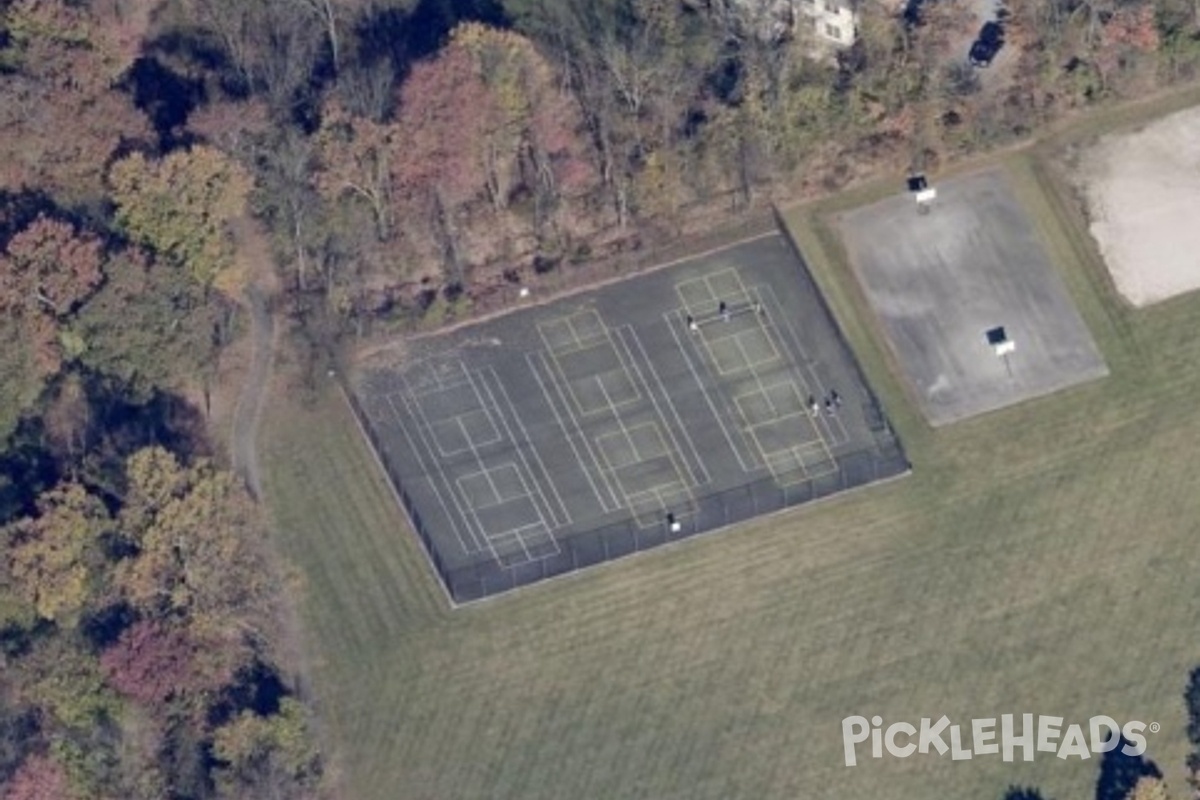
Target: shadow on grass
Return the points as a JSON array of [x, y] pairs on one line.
[[1119, 772]]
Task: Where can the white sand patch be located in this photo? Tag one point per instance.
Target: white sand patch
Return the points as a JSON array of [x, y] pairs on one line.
[[1143, 197]]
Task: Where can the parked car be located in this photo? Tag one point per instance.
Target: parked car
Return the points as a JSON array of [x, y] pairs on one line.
[[987, 44]]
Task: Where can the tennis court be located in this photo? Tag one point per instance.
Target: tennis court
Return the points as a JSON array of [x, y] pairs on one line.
[[647, 411]]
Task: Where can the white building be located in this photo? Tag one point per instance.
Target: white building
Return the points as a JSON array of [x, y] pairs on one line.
[[833, 20]]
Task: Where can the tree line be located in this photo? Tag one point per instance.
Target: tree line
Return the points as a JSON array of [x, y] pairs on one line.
[[406, 150], [407, 157]]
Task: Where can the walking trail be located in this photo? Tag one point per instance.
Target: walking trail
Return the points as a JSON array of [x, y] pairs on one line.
[[248, 411]]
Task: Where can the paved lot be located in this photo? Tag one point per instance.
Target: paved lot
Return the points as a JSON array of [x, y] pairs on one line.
[[568, 434], [939, 282]]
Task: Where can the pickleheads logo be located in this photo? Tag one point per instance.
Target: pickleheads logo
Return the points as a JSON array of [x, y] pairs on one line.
[[1045, 735]]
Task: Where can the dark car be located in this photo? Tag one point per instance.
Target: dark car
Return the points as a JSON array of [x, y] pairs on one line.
[[987, 45]]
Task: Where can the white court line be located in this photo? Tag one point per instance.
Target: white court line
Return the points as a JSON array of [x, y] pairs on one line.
[[715, 365], [496, 436], [561, 377], [519, 534], [471, 509], [628, 440], [716, 362], [570, 329], [632, 371], [803, 448], [740, 293], [520, 541], [469, 548], [425, 433], [828, 452], [601, 443], [774, 357], [628, 330], [794, 336], [662, 443], [439, 384], [621, 484], [655, 517], [441, 451], [421, 424], [592, 314], [795, 415], [753, 434], [587, 473], [525, 486], [684, 301], [461, 478], [511, 438], [566, 513], [487, 413], [473, 446], [611, 341], [704, 390], [743, 291], [542, 519], [773, 334], [495, 491]]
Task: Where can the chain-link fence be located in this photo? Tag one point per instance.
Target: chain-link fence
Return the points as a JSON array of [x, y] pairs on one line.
[[578, 550]]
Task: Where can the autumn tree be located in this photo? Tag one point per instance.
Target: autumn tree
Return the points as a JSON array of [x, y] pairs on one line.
[[181, 563], [196, 534], [63, 682], [637, 69], [1149, 788], [273, 45], [49, 267], [444, 115], [356, 161], [531, 138], [53, 557], [38, 778], [155, 661], [61, 115], [258, 753], [1127, 33], [46, 271], [150, 325], [181, 205], [483, 121]]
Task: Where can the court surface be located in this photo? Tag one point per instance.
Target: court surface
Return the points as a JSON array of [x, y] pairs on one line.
[[646, 411], [940, 282]]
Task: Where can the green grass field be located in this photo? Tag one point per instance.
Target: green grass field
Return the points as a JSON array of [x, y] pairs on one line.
[[1041, 559]]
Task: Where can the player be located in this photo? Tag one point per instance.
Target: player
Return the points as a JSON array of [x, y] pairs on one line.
[[691, 323], [836, 398], [829, 409], [813, 408], [724, 310]]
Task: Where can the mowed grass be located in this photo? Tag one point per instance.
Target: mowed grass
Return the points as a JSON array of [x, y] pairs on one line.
[[1041, 559]]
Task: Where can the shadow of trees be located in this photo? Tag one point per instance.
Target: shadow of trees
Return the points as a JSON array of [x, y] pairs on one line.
[[1023, 793], [400, 35], [1119, 772]]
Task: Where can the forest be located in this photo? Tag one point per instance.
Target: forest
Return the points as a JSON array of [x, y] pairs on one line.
[[403, 160]]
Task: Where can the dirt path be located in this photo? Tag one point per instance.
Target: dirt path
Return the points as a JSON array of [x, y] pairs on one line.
[[243, 447]]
